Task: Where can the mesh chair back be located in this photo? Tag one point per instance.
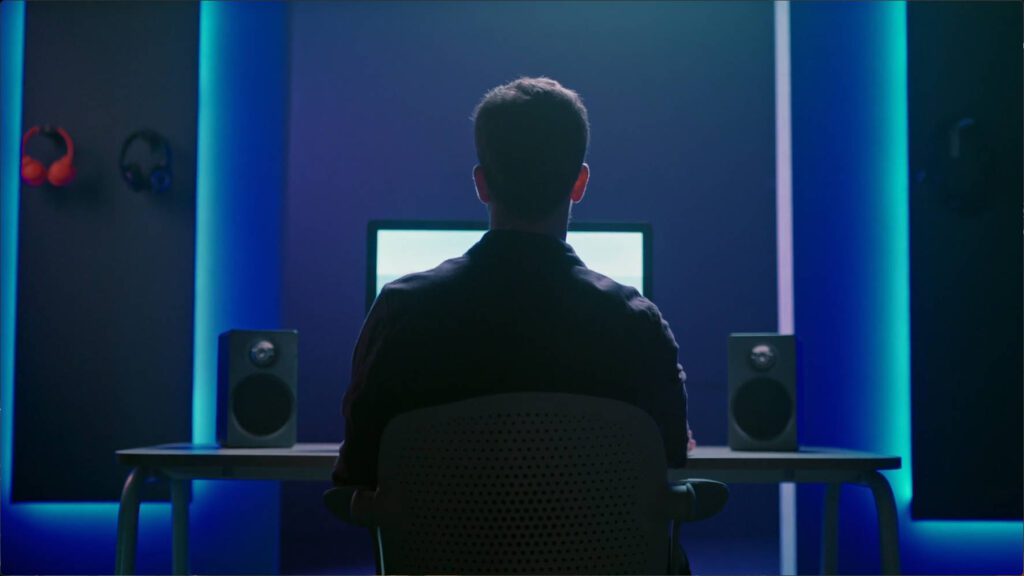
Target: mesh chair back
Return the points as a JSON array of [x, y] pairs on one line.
[[531, 483]]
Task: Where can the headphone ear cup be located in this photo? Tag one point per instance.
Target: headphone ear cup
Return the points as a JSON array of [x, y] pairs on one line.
[[61, 172], [160, 179], [132, 174], [32, 171]]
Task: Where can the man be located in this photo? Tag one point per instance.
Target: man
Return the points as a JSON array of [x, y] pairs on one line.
[[519, 311]]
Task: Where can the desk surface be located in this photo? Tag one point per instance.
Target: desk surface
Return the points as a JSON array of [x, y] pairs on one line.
[[322, 455]]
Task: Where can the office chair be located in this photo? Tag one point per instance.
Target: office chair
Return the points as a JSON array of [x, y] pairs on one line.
[[527, 483]]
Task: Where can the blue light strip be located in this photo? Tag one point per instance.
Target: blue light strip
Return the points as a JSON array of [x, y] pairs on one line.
[[893, 297], [207, 180], [12, 30]]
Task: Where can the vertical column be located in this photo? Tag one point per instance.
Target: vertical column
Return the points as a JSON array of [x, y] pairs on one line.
[[242, 151], [12, 33], [784, 252], [850, 231]]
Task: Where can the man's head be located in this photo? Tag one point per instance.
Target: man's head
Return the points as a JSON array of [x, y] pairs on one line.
[[531, 139]]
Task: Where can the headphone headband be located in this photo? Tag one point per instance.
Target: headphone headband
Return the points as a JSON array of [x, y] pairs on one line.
[[157, 143], [158, 178], [67, 141], [46, 129], [28, 136]]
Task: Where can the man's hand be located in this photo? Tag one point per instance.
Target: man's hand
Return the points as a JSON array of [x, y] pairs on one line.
[[690, 442]]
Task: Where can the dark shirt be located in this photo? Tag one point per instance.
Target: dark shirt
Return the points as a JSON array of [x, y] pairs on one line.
[[518, 312]]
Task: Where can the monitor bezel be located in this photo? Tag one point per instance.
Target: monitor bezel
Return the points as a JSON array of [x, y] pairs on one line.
[[375, 226]]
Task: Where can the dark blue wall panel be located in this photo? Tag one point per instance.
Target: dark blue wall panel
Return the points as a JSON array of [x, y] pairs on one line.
[[104, 311], [966, 258], [681, 101]]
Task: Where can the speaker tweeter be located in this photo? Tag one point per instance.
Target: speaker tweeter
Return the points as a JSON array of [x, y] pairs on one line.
[[257, 376], [762, 392]]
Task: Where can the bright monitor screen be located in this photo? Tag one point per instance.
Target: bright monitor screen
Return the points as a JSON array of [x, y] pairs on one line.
[[619, 251]]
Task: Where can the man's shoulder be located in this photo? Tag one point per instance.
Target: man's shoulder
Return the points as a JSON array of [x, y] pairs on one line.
[[441, 278], [604, 291], [624, 306]]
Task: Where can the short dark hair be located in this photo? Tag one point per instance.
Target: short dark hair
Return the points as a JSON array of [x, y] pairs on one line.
[[531, 138]]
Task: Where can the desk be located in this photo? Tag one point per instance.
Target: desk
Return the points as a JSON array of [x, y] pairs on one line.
[[180, 463]]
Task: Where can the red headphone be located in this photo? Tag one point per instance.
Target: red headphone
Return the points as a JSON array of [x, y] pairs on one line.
[[60, 173]]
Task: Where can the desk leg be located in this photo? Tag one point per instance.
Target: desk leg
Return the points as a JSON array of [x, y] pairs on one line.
[[888, 527], [128, 523], [180, 496], [830, 531]]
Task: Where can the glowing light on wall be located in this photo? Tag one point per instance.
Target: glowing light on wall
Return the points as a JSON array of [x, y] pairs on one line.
[[241, 152], [12, 30], [852, 263], [243, 85], [893, 296]]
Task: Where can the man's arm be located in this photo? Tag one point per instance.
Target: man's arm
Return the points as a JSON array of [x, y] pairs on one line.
[[369, 402], [663, 385]]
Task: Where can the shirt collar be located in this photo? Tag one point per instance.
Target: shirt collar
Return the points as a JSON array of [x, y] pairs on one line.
[[519, 244]]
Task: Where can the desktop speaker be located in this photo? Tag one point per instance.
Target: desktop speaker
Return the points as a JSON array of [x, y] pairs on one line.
[[257, 372], [762, 392]]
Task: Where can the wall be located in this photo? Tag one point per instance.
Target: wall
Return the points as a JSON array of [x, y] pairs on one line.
[[117, 264], [680, 96], [966, 259], [104, 316], [851, 193]]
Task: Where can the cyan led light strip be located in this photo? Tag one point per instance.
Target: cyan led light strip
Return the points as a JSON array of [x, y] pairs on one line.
[[894, 215], [204, 341], [12, 31]]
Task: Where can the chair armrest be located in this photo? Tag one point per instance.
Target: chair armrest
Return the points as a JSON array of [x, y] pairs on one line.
[[697, 499], [352, 504]]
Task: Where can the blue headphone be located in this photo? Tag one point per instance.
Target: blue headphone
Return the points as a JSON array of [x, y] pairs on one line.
[[157, 178]]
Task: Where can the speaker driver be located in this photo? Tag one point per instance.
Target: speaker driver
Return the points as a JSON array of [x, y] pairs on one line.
[[263, 353], [262, 403], [762, 408]]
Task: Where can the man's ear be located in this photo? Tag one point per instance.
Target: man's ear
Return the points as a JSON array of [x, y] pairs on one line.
[[482, 191], [580, 187]]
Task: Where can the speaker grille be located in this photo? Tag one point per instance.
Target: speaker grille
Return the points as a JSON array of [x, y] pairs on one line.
[[262, 404], [762, 408]]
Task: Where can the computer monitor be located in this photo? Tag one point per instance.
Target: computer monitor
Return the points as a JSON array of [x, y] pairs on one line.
[[396, 248]]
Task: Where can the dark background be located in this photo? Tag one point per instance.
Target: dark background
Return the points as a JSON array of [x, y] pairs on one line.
[[966, 260], [680, 97], [105, 274]]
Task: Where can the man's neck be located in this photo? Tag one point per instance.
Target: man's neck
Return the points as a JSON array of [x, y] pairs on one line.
[[554, 225]]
